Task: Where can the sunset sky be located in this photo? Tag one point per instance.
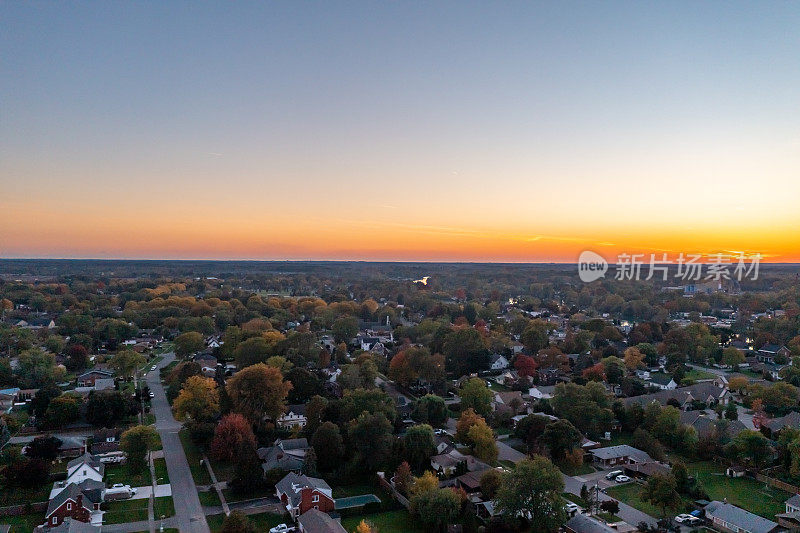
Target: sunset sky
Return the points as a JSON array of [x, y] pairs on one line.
[[437, 131]]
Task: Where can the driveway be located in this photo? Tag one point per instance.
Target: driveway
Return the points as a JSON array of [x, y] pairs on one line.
[[631, 515], [189, 516], [144, 492]]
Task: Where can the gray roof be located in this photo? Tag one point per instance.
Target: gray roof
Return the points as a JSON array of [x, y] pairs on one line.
[[739, 517], [71, 492], [315, 521], [292, 483], [622, 450], [705, 426], [89, 460], [790, 420], [581, 523], [794, 501]]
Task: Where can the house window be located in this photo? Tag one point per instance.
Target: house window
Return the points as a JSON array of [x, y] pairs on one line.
[[316, 507], [69, 506], [315, 498], [54, 519]]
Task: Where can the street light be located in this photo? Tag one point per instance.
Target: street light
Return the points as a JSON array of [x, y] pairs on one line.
[[161, 529]]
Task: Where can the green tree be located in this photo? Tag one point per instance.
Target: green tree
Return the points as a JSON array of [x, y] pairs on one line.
[[490, 482], [62, 411], [419, 445], [430, 409], [371, 439], [731, 412], [344, 329], [328, 445], [476, 395], [252, 351], [660, 490], [561, 437], [237, 522], [533, 488], [189, 343], [732, 357], [126, 362], [106, 408], [751, 447], [535, 337], [436, 508], [136, 443]]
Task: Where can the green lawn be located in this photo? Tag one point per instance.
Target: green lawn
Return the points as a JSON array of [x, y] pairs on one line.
[[136, 510], [356, 489], [618, 438], [575, 499], [193, 455], [122, 474], [17, 496], [163, 507], [744, 492], [209, 498], [261, 521], [608, 517], [223, 471], [629, 493], [399, 521], [23, 523], [697, 374], [581, 470], [160, 466], [231, 497]]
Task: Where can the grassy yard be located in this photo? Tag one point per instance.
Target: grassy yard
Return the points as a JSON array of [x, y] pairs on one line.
[[224, 471], [163, 507], [355, 489], [261, 521], [122, 474], [744, 492], [399, 521], [193, 456], [209, 498], [160, 466], [697, 374], [17, 496], [136, 510], [231, 497], [629, 493], [575, 499], [581, 470], [23, 523]]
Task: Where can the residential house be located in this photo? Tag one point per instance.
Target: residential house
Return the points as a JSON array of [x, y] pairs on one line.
[[540, 393], [768, 353], [499, 362], [84, 467], [704, 392], [81, 503], [508, 402], [294, 417], [622, 454], [71, 447], [793, 504], [315, 521], [662, 381], [728, 517], [88, 378], [288, 455], [447, 463], [705, 426], [208, 364], [300, 493], [791, 420], [101, 384]]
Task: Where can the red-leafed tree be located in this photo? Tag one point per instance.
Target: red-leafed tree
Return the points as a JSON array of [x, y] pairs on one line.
[[595, 373], [231, 432], [525, 365]]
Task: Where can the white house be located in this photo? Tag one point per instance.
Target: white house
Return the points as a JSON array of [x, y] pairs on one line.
[[499, 362], [86, 466], [295, 416]]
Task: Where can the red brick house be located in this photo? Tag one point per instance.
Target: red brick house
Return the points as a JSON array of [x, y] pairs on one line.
[[300, 493], [79, 502]]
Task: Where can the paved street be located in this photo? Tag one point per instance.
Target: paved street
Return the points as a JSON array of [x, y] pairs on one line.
[[189, 513]]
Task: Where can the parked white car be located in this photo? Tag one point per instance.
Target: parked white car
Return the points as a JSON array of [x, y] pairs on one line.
[[687, 519], [613, 474], [281, 528], [622, 479], [571, 508], [153, 367]]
